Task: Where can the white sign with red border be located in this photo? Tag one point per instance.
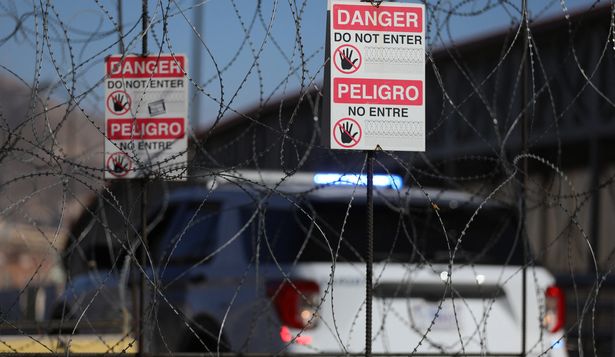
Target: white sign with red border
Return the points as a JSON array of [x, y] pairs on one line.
[[145, 116], [377, 75]]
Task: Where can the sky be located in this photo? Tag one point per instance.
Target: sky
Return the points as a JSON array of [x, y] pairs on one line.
[[250, 51]]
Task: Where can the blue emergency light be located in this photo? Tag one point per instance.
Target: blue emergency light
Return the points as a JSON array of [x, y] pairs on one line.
[[380, 180]]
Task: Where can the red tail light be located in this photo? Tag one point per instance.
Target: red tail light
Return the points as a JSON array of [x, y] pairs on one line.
[[295, 302], [555, 309]]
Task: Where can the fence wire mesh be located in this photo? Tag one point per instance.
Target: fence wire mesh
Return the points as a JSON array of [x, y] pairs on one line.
[[256, 254]]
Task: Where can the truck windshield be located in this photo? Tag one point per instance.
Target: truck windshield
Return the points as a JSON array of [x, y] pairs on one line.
[[414, 236]]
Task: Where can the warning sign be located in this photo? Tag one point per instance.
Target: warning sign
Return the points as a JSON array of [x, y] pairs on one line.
[[119, 164], [347, 59], [347, 133], [118, 102], [377, 76], [146, 109]]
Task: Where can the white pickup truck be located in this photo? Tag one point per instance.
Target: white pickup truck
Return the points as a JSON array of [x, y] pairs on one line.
[[253, 263]]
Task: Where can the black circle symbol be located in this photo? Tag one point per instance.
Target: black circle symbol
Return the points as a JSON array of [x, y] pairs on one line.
[[347, 133], [119, 164], [347, 59], [119, 102]]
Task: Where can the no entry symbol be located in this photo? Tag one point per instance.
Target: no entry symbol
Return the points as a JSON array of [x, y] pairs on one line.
[[119, 164], [119, 102], [347, 59], [347, 133]]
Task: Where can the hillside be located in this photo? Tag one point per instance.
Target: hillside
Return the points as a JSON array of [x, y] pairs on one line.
[[50, 156]]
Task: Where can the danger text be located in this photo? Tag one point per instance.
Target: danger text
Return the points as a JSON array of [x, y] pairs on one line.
[[377, 91], [384, 18], [145, 67], [145, 129]]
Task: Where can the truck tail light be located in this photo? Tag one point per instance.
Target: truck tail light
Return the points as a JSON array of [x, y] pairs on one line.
[[295, 302], [555, 309]]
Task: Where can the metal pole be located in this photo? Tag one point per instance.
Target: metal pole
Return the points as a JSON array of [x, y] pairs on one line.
[[144, 24], [120, 26], [143, 262], [524, 143], [199, 13], [369, 261], [144, 245]]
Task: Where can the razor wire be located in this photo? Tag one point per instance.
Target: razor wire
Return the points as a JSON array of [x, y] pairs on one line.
[[251, 233]]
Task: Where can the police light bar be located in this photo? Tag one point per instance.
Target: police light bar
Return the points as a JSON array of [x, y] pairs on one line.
[[390, 181]]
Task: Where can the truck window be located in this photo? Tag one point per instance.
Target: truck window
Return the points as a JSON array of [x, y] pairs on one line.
[[186, 234], [415, 236]]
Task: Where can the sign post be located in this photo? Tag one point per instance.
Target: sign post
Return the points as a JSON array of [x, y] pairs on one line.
[[376, 87], [146, 130], [146, 105]]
